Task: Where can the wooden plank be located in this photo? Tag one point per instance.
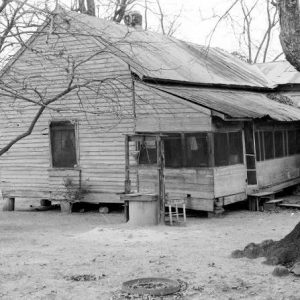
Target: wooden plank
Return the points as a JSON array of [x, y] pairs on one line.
[[200, 204], [288, 205]]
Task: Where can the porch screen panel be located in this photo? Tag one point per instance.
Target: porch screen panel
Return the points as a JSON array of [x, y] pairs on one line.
[[63, 145], [269, 144], [292, 142], [196, 147], [147, 153], [298, 141], [173, 151], [221, 149], [279, 144], [235, 148]]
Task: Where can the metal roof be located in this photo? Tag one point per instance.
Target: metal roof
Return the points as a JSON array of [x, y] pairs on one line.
[[153, 55], [280, 72], [234, 103]]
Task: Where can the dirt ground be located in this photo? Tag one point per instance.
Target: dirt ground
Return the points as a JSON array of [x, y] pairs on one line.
[[41, 251]]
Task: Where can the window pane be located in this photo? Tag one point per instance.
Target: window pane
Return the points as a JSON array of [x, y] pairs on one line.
[[292, 142], [257, 146], [279, 149], [196, 147], [173, 152], [235, 148], [269, 144], [262, 146], [63, 144], [251, 177], [221, 149], [298, 141], [148, 153]]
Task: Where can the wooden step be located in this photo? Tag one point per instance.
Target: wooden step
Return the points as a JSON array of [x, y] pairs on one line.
[[275, 201], [289, 205], [272, 204]]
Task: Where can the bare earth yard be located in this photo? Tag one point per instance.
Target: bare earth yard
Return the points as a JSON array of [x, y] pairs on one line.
[[40, 251]]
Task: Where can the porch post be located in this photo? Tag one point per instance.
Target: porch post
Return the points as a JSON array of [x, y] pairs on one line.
[[127, 169], [161, 179]]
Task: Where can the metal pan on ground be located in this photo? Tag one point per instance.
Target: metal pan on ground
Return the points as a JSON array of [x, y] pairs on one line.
[[151, 286]]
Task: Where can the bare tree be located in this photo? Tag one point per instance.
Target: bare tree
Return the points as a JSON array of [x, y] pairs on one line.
[[22, 87], [255, 23]]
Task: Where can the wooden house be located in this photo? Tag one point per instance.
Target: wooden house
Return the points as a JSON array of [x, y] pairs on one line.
[[223, 134]]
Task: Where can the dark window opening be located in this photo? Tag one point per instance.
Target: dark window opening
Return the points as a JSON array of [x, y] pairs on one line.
[[269, 144], [279, 144], [221, 149], [188, 150], [63, 146], [292, 142], [173, 152], [298, 141], [196, 146], [235, 148], [148, 153], [228, 148], [257, 146]]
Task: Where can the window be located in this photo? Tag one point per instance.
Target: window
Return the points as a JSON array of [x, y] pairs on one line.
[[235, 148], [63, 146], [221, 149], [196, 147], [257, 146], [148, 153], [279, 146], [186, 150], [173, 151], [298, 141], [228, 148], [292, 142], [277, 143], [269, 144]]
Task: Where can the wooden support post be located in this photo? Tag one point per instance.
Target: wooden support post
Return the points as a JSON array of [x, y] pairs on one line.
[[161, 179], [9, 204], [127, 167]]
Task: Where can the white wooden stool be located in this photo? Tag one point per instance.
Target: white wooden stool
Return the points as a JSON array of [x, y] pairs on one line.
[[175, 203]]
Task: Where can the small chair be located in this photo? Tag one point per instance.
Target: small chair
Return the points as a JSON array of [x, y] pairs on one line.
[[175, 203]]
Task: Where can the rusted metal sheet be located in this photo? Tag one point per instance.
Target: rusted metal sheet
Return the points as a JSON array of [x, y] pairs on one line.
[[235, 103], [153, 55]]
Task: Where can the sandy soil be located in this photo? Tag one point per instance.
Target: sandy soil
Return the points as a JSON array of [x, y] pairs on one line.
[[41, 251]]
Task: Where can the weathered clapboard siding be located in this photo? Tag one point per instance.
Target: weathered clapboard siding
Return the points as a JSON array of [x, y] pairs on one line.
[[230, 180], [279, 170], [197, 184], [160, 112], [26, 169]]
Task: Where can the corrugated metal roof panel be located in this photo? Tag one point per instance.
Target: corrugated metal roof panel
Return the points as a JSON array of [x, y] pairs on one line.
[[235, 103], [280, 72], [157, 56]]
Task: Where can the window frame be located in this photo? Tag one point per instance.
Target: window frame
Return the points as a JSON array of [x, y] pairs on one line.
[[242, 157], [76, 135], [285, 142]]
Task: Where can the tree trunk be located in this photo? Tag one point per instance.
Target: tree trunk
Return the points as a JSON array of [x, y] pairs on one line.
[[289, 13], [91, 7], [90, 10]]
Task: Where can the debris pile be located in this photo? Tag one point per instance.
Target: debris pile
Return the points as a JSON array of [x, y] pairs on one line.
[[285, 252]]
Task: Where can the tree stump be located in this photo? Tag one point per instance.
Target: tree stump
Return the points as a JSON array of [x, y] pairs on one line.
[[9, 204]]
